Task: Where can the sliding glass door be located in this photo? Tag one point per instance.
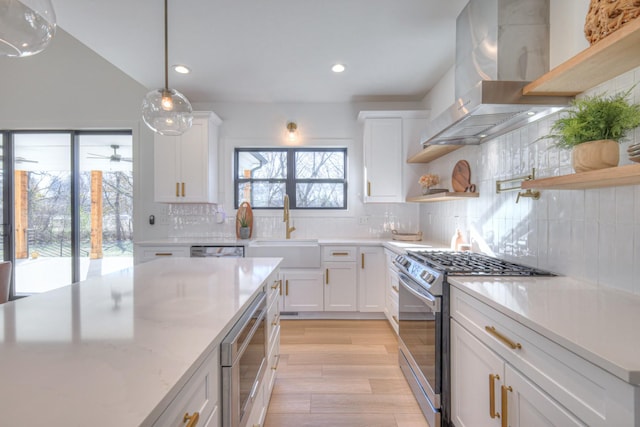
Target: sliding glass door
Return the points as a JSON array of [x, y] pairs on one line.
[[69, 206]]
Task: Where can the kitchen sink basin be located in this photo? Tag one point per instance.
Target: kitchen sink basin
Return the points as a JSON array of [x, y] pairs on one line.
[[296, 253]]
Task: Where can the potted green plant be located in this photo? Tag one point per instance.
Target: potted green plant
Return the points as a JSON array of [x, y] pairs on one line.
[[592, 128], [243, 221]]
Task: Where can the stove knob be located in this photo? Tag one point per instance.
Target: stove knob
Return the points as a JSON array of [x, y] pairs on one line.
[[425, 275], [431, 278]]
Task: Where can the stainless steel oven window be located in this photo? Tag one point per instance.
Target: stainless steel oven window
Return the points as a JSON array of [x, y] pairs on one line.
[[420, 326]]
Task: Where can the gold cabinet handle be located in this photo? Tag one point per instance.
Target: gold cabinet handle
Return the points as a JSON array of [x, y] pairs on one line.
[[191, 419], [275, 285], [395, 319], [164, 254], [177, 189], [326, 276], [280, 286], [369, 188], [362, 261], [286, 285], [505, 405], [395, 288], [339, 253], [275, 320], [506, 341], [275, 367], [183, 193], [492, 395]]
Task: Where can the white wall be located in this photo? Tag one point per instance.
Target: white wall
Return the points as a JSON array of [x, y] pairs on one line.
[[589, 234]]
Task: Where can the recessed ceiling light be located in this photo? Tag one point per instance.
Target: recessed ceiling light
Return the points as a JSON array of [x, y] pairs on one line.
[[182, 69], [337, 68]]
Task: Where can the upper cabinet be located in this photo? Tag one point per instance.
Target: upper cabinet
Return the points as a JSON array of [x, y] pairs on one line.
[[386, 136], [185, 166], [383, 160]]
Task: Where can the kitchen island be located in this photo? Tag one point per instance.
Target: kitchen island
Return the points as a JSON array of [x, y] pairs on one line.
[[117, 349]]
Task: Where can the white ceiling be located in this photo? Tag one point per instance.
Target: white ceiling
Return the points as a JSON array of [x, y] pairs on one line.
[[274, 50]]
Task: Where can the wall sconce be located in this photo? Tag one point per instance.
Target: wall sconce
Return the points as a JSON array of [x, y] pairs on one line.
[[292, 132]]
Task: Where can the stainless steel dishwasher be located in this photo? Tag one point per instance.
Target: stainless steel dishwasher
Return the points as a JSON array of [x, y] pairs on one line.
[[217, 251]]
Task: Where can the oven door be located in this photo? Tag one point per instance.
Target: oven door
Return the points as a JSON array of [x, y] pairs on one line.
[[420, 330]]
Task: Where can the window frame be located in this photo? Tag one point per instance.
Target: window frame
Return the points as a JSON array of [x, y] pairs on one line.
[[291, 181]]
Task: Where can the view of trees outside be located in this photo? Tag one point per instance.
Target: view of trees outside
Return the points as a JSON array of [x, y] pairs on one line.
[[319, 177], [43, 212]]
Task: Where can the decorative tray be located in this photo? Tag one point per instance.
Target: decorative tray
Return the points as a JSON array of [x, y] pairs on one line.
[[407, 237]]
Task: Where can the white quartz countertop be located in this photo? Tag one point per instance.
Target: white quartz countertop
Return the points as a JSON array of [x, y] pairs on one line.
[[114, 350], [600, 324]]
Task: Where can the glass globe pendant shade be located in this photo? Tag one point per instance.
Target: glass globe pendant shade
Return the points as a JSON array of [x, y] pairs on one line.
[[167, 112], [26, 26]]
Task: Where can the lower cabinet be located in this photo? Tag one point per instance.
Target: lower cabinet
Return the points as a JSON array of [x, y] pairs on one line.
[[371, 275], [340, 290], [392, 290], [198, 398], [486, 390], [148, 253], [504, 373], [302, 290]]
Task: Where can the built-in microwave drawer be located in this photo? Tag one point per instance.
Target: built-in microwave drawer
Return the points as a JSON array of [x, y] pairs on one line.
[[339, 253]]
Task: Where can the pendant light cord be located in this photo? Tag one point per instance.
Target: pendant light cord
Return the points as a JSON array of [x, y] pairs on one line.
[[166, 47]]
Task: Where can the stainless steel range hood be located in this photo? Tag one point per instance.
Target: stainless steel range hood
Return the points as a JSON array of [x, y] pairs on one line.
[[501, 45]]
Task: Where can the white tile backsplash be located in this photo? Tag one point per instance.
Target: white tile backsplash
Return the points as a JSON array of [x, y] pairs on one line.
[[591, 234]]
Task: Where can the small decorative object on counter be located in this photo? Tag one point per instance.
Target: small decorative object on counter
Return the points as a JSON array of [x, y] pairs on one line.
[[406, 237], [634, 152], [605, 17], [457, 241], [592, 128], [244, 221], [429, 180]]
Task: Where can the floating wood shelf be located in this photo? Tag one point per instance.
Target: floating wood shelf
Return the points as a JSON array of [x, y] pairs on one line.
[[617, 53], [610, 177], [442, 197], [432, 152]]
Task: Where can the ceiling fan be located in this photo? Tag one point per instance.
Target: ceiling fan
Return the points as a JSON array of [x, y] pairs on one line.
[[115, 157]]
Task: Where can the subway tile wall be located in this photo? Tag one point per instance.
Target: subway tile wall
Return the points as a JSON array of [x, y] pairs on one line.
[[593, 234]]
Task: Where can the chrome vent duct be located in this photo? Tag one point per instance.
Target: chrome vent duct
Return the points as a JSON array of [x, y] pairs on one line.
[[501, 45]]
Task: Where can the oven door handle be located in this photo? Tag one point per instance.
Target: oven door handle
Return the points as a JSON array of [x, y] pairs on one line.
[[427, 298]]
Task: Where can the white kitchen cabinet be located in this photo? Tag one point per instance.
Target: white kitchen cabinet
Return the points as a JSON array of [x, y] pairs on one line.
[[200, 395], [340, 278], [302, 290], [371, 278], [543, 383], [148, 253], [185, 166], [340, 290], [392, 289], [383, 159]]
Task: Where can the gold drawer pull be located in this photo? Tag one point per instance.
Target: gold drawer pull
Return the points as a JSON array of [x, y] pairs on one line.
[[192, 419], [363, 261], [164, 254], [326, 276], [339, 253], [395, 319], [509, 343], [183, 194], [505, 405], [280, 286], [275, 285], [275, 367], [286, 285], [492, 395], [177, 189], [395, 288], [275, 320]]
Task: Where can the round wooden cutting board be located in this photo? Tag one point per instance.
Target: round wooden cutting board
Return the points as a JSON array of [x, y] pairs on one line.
[[461, 178]]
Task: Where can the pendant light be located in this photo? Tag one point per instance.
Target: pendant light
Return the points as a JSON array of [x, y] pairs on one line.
[[26, 26], [167, 111]]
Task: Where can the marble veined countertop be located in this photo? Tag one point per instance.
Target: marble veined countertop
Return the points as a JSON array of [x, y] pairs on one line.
[[601, 325], [114, 350]]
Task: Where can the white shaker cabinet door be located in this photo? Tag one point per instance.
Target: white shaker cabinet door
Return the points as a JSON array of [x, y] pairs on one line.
[[383, 160]]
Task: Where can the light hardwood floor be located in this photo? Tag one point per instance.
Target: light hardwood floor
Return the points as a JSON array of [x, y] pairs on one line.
[[341, 373]]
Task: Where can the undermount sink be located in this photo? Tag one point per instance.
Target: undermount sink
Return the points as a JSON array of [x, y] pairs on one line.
[[296, 253]]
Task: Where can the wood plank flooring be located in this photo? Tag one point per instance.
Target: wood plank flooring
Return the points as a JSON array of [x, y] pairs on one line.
[[340, 373]]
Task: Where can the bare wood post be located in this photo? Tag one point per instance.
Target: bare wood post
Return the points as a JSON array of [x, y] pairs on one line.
[[96, 215], [21, 214]]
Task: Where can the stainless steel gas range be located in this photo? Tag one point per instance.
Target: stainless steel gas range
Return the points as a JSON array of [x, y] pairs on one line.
[[424, 319]]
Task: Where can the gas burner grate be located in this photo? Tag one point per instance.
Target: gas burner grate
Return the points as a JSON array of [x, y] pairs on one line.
[[473, 264]]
